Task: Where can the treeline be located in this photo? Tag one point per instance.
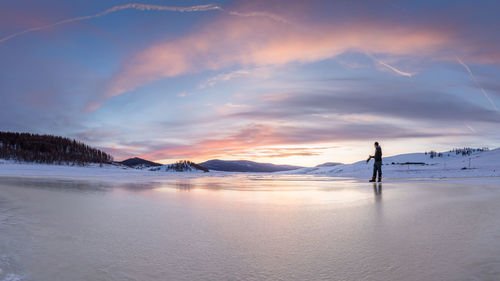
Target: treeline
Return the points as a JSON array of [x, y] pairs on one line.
[[185, 165], [49, 149], [466, 151], [181, 166]]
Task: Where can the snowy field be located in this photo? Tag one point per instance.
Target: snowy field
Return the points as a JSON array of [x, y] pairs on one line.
[[419, 165], [89, 172], [415, 165]]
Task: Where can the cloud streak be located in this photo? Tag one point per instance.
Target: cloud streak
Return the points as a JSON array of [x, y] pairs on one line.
[[249, 42], [223, 77], [397, 71], [260, 14], [146, 7], [477, 84], [135, 6], [140, 7], [470, 128], [260, 140], [421, 105]]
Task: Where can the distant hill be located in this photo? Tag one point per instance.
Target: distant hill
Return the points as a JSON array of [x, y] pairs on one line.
[[245, 166], [49, 149], [181, 166], [139, 163], [329, 164]]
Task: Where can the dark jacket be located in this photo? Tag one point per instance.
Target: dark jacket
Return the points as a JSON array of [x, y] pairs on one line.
[[378, 154]]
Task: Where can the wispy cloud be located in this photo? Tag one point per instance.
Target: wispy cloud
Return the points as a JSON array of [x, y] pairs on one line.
[[253, 141], [477, 84], [256, 43], [140, 7], [223, 77], [416, 105], [260, 14], [184, 94], [394, 69], [470, 128], [146, 7]]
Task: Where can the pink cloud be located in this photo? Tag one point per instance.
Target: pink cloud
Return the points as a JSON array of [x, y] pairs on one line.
[[254, 141], [258, 42]]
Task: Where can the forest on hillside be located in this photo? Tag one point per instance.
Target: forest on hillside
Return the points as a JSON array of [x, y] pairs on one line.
[[181, 166], [49, 149]]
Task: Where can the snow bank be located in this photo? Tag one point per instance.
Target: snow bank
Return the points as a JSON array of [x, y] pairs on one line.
[[88, 172], [449, 165]]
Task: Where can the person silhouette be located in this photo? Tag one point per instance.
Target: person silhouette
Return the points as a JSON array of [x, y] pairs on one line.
[[377, 166]]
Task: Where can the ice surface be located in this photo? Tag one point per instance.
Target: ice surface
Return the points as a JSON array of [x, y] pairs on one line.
[[250, 227]]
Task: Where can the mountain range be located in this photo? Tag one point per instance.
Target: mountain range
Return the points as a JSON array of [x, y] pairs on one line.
[[215, 165], [245, 166]]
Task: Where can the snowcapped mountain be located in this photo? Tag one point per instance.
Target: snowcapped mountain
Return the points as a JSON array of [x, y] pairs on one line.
[[245, 166], [329, 164], [455, 163], [181, 166]]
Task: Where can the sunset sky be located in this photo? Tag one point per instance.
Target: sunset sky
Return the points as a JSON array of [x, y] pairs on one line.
[[295, 82]]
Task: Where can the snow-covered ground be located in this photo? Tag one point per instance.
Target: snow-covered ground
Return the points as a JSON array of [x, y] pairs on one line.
[[89, 172], [449, 165]]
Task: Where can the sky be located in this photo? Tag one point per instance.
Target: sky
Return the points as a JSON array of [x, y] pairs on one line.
[[285, 82]]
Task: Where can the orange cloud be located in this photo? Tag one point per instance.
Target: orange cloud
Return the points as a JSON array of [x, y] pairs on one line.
[[248, 138], [270, 141]]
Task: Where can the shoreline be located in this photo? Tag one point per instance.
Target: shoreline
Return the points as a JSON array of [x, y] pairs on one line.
[[117, 174], [121, 174]]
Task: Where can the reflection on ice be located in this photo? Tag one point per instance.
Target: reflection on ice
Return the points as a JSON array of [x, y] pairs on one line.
[[270, 189], [248, 227]]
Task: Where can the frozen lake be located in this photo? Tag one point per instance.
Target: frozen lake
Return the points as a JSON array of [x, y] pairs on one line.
[[249, 228]]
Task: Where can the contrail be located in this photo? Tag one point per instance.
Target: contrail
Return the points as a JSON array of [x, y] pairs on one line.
[[260, 14], [477, 84], [141, 7], [470, 128], [146, 7], [400, 72]]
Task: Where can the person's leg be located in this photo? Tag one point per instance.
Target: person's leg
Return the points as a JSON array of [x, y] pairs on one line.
[[374, 171], [380, 172]]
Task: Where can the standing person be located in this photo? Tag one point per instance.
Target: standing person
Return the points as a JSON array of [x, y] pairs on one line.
[[377, 166]]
